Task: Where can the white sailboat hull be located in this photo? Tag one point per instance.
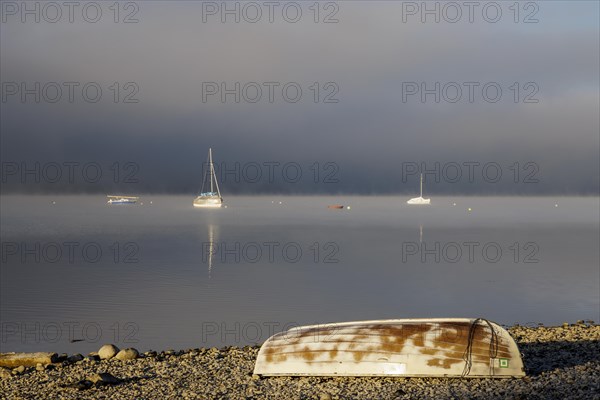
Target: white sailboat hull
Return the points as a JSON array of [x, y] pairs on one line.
[[419, 200], [208, 202]]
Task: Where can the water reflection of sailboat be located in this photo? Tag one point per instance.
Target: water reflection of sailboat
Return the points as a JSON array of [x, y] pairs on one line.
[[211, 248]]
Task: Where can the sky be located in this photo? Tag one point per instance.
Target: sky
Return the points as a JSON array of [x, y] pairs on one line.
[[301, 97]]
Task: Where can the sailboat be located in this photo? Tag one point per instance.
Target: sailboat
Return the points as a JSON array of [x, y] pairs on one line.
[[419, 200], [211, 199]]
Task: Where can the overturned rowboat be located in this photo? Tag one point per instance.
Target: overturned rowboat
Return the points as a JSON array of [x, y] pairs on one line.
[[445, 347]]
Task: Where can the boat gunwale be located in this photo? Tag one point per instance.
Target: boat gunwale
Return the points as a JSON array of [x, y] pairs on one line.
[[462, 349], [370, 327], [376, 351], [447, 376]]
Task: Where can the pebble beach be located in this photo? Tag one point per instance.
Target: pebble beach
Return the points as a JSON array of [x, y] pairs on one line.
[[561, 363]]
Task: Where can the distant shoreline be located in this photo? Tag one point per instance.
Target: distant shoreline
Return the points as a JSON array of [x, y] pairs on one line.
[[401, 194]]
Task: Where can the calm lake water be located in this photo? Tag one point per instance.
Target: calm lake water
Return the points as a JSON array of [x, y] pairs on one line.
[[165, 275]]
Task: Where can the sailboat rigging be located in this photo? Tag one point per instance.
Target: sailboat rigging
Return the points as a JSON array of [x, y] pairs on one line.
[[212, 198]]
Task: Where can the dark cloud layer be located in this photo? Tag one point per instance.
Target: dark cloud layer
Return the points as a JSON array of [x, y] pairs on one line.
[[363, 141]]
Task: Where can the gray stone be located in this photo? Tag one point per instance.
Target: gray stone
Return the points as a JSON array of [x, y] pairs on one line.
[[83, 384], [75, 358], [108, 351], [104, 378]]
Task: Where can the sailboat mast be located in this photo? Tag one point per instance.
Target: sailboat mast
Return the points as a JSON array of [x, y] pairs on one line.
[[421, 185], [213, 176], [212, 170]]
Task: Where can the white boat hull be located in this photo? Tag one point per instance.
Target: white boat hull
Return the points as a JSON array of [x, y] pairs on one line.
[[122, 199], [419, 201], [208, 202], [445, 347]]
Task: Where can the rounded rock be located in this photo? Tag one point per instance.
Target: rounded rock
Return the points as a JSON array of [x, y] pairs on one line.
[[83, 384], [127, 354], [19, 370], [5, 373], [103, 378], [75, 358], [108, 351]]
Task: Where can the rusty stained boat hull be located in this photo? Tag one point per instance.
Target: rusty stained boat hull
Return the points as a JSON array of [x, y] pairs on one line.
[[450, 347]]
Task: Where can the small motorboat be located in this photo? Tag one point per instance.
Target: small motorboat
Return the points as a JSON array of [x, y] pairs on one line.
[[122, 199], [336, 206], [443, 347]]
